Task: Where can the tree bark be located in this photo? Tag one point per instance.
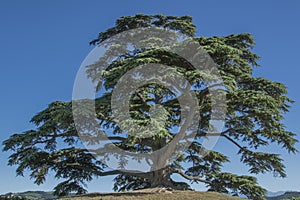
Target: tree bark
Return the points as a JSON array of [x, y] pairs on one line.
[[161, 178]]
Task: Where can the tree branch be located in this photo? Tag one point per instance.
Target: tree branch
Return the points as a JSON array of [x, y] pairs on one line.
[[113, 172], [234, 142], [195, 178]]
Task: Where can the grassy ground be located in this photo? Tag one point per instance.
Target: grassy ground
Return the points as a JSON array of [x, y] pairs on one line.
[[155, 195]]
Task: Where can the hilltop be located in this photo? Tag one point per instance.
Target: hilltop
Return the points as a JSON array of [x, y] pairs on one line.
[[155, 194]]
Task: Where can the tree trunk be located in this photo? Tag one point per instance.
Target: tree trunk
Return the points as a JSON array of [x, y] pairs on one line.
[[161, 178]]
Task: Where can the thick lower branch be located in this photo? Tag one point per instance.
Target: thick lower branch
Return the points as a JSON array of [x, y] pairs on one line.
[[112, 172], [195, 178]]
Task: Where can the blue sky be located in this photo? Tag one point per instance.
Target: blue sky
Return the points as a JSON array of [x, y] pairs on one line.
[[42, 44]]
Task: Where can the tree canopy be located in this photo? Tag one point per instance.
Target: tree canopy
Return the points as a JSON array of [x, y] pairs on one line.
[[255, 108]]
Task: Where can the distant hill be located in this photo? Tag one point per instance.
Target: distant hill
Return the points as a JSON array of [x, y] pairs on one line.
[[286, 195], [274, 194], [33, 195]]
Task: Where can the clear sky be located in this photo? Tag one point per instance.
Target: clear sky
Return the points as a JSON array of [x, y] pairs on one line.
[[42, 44]]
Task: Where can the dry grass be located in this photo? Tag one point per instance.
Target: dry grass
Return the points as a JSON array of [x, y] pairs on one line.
[[154, 195]]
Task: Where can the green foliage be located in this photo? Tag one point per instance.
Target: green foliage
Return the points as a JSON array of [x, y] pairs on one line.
[[230, 183], [255, 108]]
